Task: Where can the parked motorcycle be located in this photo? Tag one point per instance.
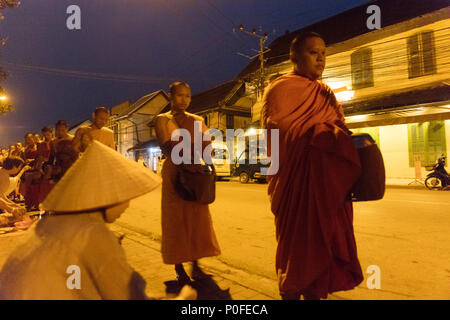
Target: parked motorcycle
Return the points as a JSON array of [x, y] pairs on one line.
[[438, 179]]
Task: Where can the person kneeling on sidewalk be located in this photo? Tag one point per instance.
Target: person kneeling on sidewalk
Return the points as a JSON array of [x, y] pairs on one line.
[[13, 212], [71, 254]]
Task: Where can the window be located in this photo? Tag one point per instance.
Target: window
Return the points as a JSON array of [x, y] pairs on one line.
[[230, 121], [220, 154], [426, 140], [362, 71], [421, 55]]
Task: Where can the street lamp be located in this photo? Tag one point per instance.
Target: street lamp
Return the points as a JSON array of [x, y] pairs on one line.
[[3, 96], [4, 103]]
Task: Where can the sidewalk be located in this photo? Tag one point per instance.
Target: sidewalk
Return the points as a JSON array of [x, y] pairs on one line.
[[405, 183], [143, 254], [390, 182]]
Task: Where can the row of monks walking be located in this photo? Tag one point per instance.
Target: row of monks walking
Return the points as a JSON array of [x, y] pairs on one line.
[[84, 183]]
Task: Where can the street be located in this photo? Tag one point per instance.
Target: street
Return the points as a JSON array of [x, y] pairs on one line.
[[271, 79], [405, 235]]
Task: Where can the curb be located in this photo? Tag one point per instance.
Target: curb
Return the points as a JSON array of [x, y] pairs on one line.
[[401, 186], [264, 287]]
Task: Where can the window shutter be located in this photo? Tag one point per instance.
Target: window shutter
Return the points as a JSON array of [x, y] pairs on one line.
[[362, 71], [436, 143], [356, 61], [230, 121], [426, 140], [367, 68], [413, 56], [415, 142], [429, 59]]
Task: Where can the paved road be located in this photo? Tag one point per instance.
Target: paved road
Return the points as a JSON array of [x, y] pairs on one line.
[[406, 234]]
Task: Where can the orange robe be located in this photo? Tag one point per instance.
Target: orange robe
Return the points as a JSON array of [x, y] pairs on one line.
[[318, 164], [187, 228]]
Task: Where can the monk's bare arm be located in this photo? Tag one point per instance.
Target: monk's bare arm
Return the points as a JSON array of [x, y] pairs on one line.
[[205, 131], [163, 136]]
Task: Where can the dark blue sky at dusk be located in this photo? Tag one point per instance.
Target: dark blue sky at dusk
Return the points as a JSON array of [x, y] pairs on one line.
[[152, 41]]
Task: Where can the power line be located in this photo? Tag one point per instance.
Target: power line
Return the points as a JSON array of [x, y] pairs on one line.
[[234, 25], [221, 12], [218, 58], [382, 55], [172, 8], [90, 75], [84, 74]]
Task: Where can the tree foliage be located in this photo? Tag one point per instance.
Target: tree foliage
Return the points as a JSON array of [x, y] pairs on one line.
[[5, 106]]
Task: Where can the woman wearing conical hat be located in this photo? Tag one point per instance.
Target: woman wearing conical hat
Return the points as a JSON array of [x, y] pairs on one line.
[[71, 253], [187, 230]]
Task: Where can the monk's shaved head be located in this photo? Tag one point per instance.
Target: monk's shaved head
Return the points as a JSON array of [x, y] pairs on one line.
[[307, 53], [174, 85], [299, 41]]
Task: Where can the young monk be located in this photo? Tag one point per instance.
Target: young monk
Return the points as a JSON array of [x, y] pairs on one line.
[[187, 228]]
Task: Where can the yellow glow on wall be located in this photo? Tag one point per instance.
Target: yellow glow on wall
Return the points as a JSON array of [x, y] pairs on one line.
[[357, 117], [338, 86], [345, 95]]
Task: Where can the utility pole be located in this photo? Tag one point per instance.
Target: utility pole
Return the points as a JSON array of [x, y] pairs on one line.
[[262, 39]]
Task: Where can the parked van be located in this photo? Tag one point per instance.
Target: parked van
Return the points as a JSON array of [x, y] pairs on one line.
[[220, 160]]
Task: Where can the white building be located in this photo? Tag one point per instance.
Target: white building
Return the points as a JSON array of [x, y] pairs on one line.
[[394, 83], [132, 125]]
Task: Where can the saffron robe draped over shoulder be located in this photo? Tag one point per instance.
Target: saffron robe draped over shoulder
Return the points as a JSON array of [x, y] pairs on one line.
[[318, 164], [187, 227]]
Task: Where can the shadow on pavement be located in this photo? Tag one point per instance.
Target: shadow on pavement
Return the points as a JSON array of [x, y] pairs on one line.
[[207, 289]]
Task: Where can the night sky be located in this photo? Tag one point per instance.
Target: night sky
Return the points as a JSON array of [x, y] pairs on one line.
[[129, 48]]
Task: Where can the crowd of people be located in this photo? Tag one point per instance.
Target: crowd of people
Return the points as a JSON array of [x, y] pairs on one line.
[[77, 204], [42, 160]]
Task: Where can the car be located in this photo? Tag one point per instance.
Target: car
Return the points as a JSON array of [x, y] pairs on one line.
[[248, 170], [222, 165]]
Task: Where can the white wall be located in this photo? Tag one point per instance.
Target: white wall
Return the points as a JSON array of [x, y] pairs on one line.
[[394, 147]]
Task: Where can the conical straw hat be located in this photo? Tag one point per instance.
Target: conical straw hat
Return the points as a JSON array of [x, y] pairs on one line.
[[101, 177]]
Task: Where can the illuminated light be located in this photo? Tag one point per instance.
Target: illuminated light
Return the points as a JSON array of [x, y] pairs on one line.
[[357, 117], [153, 150], [254, 132], [251, 131], [338, 86], [345, 95], [3, 97]]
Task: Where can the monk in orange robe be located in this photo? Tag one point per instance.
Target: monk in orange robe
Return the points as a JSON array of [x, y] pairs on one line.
[[318, 164], [187, 228]]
